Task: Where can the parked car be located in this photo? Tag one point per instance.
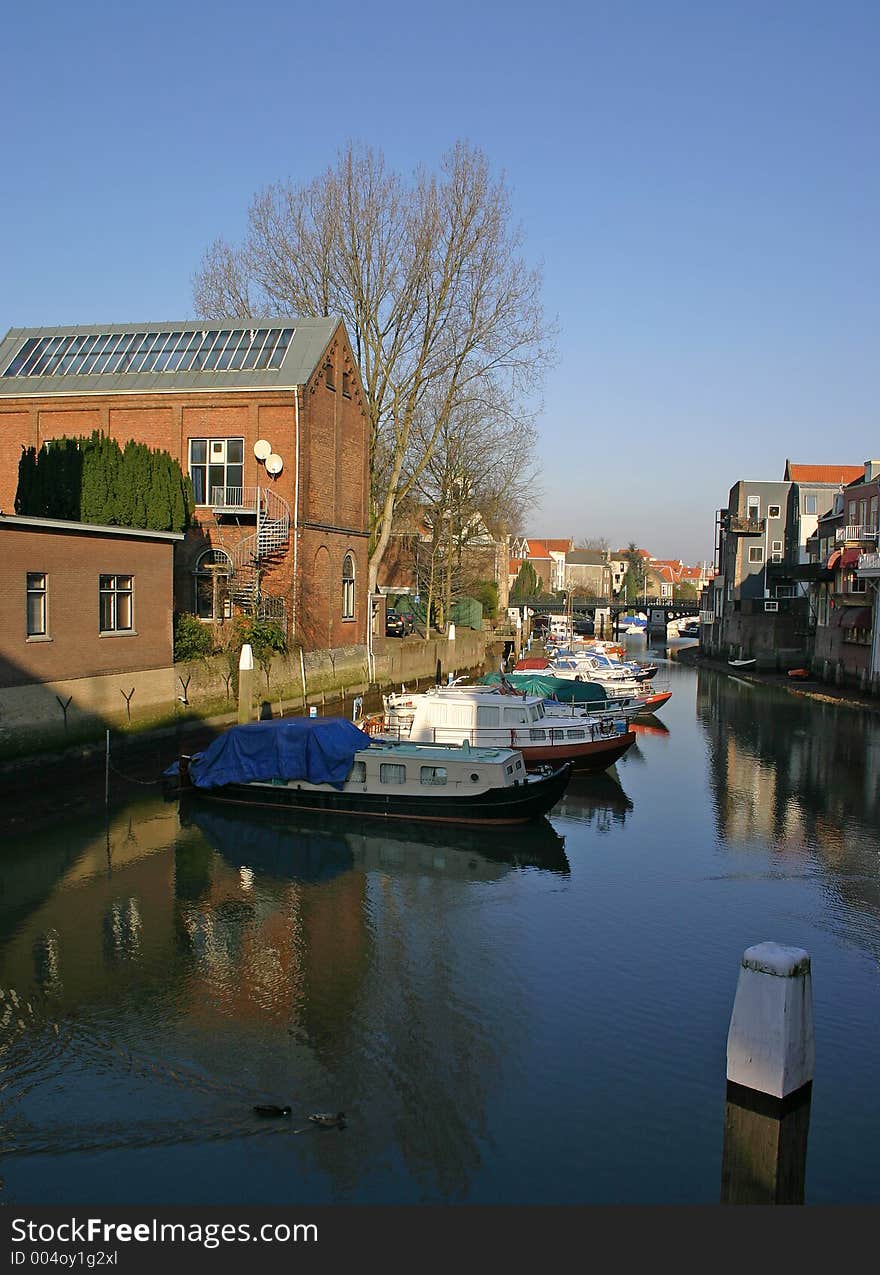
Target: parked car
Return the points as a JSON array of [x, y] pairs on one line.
[[395, 624]]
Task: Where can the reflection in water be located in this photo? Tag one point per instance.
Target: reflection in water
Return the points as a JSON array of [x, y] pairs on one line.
[[498, 1029], [801, 775], [317, 849], [595, 799]]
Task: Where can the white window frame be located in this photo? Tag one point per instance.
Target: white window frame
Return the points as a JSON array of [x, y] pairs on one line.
[[756, 549], [40, 593], [771, 508], [115, 592], [210, 463]]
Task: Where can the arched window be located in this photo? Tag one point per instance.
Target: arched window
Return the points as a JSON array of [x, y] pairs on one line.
[[211, 575], [348, 587]]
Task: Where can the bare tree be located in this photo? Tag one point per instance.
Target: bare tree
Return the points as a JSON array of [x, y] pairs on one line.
[[599, 544], [481, 474], [429, 278]]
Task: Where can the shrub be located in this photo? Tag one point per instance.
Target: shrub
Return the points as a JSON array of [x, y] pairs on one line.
[[192, 639]]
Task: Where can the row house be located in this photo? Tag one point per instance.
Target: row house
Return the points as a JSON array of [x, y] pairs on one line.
[[268, 418], [547, 557], [769, 583], [845, 569]]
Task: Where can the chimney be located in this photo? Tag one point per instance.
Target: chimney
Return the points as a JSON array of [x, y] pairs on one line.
[[872, 470]]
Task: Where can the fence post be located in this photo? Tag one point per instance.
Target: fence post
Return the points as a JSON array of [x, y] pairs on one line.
[[246, 684]]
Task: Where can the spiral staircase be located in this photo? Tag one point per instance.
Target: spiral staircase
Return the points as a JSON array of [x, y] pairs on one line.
[[250, 558]]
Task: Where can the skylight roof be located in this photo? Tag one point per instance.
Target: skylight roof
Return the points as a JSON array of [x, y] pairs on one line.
[[185, 350]]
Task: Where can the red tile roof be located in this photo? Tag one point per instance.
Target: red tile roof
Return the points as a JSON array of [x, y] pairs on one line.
[[823, 473]]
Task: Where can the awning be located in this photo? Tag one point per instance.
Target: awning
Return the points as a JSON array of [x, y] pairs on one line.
[[856, 618], [833, 559], [851, 557]]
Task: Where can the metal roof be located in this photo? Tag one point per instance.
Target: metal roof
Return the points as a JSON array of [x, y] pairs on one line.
[[19, 521], [310, 339]]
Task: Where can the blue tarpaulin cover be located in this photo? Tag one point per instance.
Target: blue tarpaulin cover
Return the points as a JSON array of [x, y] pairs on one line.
[[317, 749]]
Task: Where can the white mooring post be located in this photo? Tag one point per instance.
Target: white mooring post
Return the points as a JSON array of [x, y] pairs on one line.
[[770, 1058], [246, 684], [770, 1043]]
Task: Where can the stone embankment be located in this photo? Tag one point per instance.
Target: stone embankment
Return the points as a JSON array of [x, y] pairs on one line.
[[812, 688]]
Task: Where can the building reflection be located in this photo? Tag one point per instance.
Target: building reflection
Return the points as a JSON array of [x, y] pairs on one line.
[[336, 951], [799, 774]]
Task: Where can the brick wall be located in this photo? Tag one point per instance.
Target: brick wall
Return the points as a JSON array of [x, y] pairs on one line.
[[334, 475], [72, 563]]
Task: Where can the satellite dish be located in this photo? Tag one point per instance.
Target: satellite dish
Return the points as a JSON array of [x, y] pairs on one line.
[[262, 449], [274, 464]]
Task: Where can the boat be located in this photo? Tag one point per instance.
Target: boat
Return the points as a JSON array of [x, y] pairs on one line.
[[500, 716], [800, 674], [689, 628], [741, 663], [327, 765], [596, 697]]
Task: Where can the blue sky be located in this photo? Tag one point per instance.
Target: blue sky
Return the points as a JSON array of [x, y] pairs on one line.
[[700, 182]]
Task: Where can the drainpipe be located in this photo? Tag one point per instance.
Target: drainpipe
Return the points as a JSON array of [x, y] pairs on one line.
[[294, 617]]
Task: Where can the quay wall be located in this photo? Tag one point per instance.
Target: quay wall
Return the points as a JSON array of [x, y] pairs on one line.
[[49, 715]]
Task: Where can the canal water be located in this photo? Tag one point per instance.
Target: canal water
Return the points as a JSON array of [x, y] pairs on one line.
[[507, 1017]]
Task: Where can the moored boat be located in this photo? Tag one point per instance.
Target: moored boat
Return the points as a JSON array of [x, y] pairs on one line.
[[329, 766], [500, 716]]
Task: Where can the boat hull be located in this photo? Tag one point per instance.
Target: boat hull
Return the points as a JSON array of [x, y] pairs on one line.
[[518, 803], [587, 757]]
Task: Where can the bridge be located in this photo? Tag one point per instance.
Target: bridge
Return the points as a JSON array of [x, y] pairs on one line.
[[658, 610]]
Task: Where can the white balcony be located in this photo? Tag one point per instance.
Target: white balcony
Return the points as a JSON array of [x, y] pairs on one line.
[[869, 566], [235, 498], [855, 532]]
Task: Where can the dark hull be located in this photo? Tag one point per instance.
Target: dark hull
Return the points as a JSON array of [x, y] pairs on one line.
[[517, 804]]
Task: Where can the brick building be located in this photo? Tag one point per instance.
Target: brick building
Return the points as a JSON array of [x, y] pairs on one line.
[[85, 623], [267, 417]]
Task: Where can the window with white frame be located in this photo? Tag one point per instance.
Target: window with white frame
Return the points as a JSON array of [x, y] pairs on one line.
[[773, 511], [216, 467], [874, 512], [756, 553], [857, 585], [753, 508], [37, 612], [811, 504], [115, 605], [348, 587], [776, 550]]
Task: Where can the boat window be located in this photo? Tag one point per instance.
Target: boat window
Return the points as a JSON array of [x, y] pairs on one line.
[[576, 734], [519, 764], [433, 775], [475, 778], [537, 734], [514, 717], [392, 773], [508, 770], [487, 716], [358, 772]]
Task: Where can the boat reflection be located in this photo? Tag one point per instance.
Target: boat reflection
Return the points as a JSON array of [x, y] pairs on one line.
[[596, 799], [649, 724], [317, 849]]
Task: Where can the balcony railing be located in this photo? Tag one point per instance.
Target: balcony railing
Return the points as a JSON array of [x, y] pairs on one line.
[[235, 498], [856, 532], [869, 563], [739, 526]]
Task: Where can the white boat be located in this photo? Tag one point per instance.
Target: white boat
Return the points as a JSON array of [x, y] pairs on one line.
[[496, 716]]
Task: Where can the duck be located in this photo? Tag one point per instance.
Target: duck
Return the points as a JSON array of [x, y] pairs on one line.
[[269, 1109], [329, 1119]]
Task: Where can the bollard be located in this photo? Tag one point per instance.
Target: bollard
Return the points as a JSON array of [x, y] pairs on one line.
[[246, 684], [770, 1043], [770, 1058]]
